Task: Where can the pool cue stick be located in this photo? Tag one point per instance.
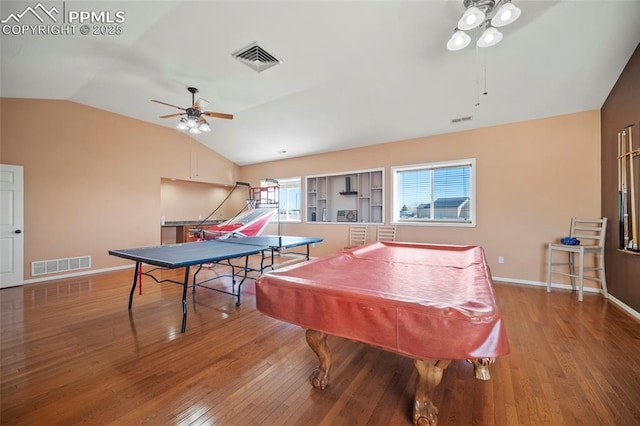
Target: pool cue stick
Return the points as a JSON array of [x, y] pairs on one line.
[[632, 184], [625, 215], [620, 206]]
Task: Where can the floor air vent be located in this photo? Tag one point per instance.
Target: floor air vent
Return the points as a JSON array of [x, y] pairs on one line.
[[256, 57], [42, 267]]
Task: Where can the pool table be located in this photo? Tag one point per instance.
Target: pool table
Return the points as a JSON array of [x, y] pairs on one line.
[[432, 303]]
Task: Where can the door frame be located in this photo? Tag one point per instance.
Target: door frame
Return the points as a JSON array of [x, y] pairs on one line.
[[12, 227]]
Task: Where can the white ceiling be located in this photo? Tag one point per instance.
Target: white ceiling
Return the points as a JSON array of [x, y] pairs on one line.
[[354, 73]]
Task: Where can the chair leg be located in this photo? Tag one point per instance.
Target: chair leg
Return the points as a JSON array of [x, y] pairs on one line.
[[549, 269], [572, 270], [603, 276], [580, 275]]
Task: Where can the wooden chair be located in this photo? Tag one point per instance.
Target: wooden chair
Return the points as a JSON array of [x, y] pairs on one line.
[[357, 236], [386, 233], [591, 234]]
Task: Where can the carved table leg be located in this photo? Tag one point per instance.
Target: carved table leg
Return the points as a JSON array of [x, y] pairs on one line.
[[318, 343], [429, 376]]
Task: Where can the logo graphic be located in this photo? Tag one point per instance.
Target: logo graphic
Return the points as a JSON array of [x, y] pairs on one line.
[[41, 20], [34, 11]]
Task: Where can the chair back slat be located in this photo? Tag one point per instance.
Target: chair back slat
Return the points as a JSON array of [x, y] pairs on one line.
[[386, 233], [589, 229], [357, 235]]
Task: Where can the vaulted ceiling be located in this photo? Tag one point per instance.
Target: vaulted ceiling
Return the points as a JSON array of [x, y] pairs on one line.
[[353, 73]]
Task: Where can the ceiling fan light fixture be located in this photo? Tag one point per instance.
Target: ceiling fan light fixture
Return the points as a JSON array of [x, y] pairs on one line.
[[506, 14], [490, 37], [471, 18], [182, 124], [487, 14], [459, 40], [192, 119]]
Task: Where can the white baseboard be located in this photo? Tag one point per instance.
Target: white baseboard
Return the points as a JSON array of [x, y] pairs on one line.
[[625, 308], [613, 300]]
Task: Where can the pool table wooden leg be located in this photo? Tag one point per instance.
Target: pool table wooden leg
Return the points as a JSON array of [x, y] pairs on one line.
[[429, 376], [317, 341], [481, 367]]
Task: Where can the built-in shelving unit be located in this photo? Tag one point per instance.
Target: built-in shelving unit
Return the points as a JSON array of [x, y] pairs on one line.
[[349, 197]]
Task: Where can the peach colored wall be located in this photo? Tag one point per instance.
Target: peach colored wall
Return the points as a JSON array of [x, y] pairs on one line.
[[531, 178], [92, 178], [92, 181], [184, 200]]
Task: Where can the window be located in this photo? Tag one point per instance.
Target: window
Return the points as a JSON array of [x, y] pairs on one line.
[[435, 194], [289, 198]]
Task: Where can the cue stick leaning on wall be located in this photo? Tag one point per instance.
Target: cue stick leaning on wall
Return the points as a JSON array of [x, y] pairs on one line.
[[625, 214], [620, 203], [632, 184]]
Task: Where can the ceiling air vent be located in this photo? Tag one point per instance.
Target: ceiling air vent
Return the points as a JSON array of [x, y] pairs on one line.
[[256, 57], [460, 119]]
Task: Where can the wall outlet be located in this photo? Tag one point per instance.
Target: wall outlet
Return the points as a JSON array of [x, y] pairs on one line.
[[500, 259]]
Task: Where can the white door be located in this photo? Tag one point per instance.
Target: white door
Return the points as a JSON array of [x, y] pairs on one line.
[[11, 225]]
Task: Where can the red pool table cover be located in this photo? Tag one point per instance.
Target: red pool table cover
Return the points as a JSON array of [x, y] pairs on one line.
[[422, 300]]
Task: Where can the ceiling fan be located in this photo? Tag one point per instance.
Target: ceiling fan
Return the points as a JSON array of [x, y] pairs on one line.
[[194, 121]]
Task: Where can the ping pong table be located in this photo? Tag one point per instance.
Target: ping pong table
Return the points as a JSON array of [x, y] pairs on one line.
[[199, 253]]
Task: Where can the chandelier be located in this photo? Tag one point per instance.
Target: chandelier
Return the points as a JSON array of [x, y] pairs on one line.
[[485, 14], [194, 122]]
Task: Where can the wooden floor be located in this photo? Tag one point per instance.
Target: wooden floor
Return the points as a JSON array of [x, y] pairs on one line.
[[73, 354]]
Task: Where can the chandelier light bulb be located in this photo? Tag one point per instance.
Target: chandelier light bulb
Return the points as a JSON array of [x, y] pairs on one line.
[[204, 127], [182, 125], [490, 37], [195, 131], [459, 40], [471, 18], [506, 15]]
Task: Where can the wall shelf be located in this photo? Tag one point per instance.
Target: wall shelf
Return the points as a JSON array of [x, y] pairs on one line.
[[339, 197]]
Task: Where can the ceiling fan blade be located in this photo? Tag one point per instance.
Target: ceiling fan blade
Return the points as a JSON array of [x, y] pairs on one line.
[[218, 115], [164, 103], [172, 115]]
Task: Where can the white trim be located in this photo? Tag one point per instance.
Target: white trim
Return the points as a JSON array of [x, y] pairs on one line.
[[77, 274], [625, 307], [347, 173], [544, 284], [613, 300], [635, 314]]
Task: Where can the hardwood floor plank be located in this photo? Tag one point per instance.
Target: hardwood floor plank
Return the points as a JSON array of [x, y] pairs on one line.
[[73, 354]]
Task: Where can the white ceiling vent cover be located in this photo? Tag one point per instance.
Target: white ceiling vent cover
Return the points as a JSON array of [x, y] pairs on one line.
[[256, 57], [460, 119]]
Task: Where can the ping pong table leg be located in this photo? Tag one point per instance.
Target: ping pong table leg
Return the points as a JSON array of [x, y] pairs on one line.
[[193, 290], [136, 274], [246, 271], [184, 298]]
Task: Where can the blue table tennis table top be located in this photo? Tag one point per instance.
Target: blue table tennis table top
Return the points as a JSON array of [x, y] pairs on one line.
[[199, 252]]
